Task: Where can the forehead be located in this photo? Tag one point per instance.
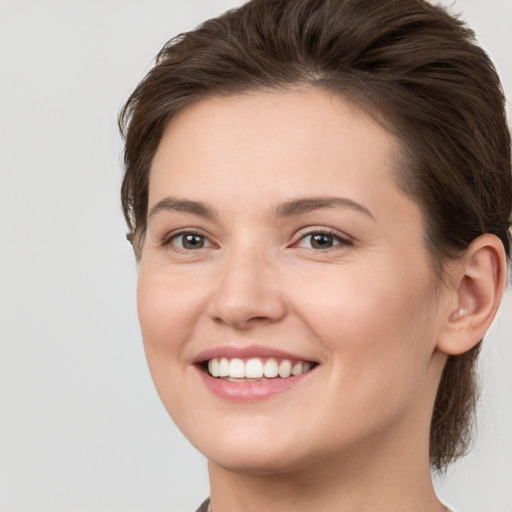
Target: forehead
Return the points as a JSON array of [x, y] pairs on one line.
[[287, 137]]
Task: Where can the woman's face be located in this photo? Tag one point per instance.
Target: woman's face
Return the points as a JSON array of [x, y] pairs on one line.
[[278, 240]]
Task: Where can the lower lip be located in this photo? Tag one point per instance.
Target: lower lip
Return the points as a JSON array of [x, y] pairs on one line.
[[247, 391]]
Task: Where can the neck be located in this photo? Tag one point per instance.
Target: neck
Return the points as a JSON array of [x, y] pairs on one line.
[[380, 476]]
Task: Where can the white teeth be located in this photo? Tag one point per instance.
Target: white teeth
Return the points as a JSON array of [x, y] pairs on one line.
[[270, 369], [213, 367], [255, 368], [285, 369], [224, 367], [236, 368], [297, 368]]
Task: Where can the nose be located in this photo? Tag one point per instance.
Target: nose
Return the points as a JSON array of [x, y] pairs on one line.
[[247, 292]]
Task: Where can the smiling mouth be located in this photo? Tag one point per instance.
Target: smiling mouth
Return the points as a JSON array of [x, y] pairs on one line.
[[255, 368]]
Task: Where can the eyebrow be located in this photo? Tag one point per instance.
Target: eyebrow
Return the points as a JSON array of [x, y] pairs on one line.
[[286, 209], [309, 204], [171, 204]]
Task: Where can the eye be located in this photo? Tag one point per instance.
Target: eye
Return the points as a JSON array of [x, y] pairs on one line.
[[319, 240], [189, 241]]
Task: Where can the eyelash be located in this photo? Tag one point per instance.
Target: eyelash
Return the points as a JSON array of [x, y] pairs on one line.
[[337, 240], [181, 234], [341, 240]]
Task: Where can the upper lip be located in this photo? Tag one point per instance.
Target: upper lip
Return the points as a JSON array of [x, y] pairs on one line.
[[247, 351]]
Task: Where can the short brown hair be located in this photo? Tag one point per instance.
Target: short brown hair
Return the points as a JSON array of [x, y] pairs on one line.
[[408, 63]]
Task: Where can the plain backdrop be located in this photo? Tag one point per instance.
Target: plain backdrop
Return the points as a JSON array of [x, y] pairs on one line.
[[81, 426]]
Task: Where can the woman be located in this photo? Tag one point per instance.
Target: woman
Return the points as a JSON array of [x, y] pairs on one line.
[[319, 195]]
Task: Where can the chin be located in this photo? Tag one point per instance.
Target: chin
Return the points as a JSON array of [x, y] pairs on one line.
[[266, 461], [251, 450]]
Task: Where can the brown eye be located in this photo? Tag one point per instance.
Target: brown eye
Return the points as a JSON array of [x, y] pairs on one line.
[[322, 240], [190, 241]]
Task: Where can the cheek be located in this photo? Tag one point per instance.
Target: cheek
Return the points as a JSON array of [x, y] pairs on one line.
[[376, 326], [167, 316], [166, 307]]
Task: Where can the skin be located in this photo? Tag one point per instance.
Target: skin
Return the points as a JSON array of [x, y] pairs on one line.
[[353, 436]]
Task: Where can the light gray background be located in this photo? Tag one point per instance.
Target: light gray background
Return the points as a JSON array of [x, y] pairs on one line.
[[81, 427]]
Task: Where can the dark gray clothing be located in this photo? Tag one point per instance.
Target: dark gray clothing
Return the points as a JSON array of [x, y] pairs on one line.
[[204, 506]]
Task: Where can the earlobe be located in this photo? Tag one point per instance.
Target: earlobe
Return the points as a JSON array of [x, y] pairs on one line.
[[478, 284]]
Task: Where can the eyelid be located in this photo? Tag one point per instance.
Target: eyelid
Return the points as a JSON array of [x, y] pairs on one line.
[[169, 237], [342, 238], [339, 236]]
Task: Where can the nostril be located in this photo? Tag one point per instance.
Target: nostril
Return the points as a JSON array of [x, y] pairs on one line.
[[240, 321]]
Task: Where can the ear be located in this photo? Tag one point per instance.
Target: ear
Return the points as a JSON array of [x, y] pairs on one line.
[[478, 280]]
